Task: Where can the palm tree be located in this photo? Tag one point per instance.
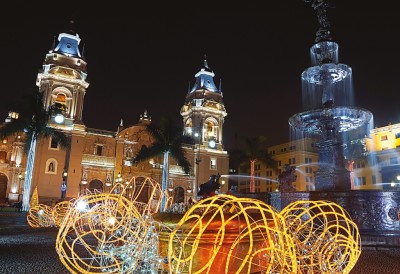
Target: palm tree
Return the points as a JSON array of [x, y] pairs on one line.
[[168, 139], [254, 151], [33, 120]]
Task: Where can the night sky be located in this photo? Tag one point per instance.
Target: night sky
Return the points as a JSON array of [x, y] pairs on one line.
[[143, 56]]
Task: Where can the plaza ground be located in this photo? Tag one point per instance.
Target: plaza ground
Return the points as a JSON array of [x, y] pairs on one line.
[[25, 250]]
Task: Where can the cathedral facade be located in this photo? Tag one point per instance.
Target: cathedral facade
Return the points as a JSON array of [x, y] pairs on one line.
[[96, 158]]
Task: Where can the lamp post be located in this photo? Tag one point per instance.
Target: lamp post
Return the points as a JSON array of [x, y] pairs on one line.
[[64, 184]]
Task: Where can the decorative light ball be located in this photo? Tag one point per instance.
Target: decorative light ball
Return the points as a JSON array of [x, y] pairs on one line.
[[144, 192], [108, 235], [326, 239], [59, 212], [226, 234], [40, 216]]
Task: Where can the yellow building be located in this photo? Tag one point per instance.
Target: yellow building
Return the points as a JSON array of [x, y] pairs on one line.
[[98, 158], [378, 167], [384, 166], [300, 153]]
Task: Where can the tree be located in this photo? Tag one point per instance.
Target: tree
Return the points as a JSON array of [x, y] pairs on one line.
[[168, 139], [254, 151], [33, 120]]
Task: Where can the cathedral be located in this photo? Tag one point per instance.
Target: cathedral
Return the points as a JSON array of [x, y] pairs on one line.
[[97, 159]]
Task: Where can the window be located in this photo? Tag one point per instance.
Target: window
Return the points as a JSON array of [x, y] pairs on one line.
[[279, 163], [213, 164], [373, 179], [53, 144], [99, 150], [364, 180], [397, 135], [384, 138]]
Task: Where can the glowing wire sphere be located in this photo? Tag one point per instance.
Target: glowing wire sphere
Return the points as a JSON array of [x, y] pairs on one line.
[[145, 192], [326, 239], [226, 234], [40, 216], [105, 233], [59, 212]]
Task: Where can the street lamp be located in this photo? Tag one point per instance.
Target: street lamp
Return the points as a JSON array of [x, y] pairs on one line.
[[189, 188], [64, 184], [170, 185], [83, 179]]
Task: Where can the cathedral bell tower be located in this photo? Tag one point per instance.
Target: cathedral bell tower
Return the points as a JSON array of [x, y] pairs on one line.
[[203, 114], [63, 81], [203, 111]]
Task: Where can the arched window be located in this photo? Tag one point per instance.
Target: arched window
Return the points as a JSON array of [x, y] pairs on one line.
[[51, 166], [96, 185], [61, 98], [60, 102]]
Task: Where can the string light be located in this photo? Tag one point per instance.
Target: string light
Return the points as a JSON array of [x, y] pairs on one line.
[[118, 232], [59, 212], [226, 234], [326, 239], [40, 216]]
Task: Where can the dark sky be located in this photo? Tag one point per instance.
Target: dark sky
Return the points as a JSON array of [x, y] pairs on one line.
[[143, 56]]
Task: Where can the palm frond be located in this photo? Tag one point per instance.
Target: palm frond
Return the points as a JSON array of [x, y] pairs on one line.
[[178, 154], [60, 137], [146, 153], [167, 137]]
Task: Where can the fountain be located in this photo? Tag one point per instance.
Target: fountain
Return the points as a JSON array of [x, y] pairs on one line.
[[329, 116], [327, 99]]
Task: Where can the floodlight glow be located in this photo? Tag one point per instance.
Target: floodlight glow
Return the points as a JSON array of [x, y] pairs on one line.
[[212, 143], [81, 205], [59, 118]]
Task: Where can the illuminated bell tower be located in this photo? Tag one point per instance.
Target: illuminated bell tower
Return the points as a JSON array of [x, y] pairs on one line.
[[203, 116], [63, 80], [203, 111]]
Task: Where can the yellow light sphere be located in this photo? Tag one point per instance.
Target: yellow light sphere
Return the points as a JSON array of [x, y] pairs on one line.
[[59, 212], [326, 239], [40, 216], [226, 234], [104, 233], [144, 192]]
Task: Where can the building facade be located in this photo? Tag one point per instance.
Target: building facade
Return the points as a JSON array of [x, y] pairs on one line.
[[97, 158], [300, 153]]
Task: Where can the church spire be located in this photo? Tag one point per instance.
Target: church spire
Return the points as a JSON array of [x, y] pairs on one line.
[[204, 78], [71, 29]]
